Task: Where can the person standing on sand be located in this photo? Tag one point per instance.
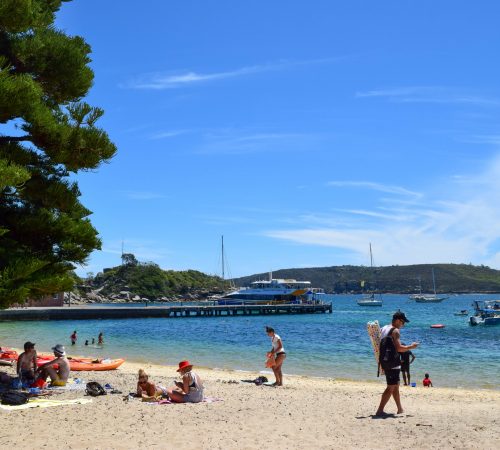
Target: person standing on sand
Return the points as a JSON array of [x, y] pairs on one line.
[[73, 338], [392, 375], [405, 365], [278, 352]]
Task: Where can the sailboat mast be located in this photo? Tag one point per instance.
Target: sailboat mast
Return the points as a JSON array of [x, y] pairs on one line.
[[223, 263], [371, 256]]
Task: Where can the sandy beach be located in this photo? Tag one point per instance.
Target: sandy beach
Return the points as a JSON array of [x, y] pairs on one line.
[[305, 413]]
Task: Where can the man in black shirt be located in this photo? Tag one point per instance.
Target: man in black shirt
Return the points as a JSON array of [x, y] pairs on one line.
[[405, 365]]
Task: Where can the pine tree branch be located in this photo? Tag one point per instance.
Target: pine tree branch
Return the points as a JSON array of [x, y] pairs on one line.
[[6, 139]]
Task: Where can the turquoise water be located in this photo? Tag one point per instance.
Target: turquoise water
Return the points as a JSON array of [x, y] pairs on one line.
[[325, 345]]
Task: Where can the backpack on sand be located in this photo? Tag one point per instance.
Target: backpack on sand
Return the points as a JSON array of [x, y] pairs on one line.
[[14, 398], [389, 357], [94, 389]]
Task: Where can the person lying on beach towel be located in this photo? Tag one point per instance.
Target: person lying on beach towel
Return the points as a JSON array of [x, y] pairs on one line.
[[190, 390], [147, 389]]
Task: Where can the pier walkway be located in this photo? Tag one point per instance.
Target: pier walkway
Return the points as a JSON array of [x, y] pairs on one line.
[[123, 312]]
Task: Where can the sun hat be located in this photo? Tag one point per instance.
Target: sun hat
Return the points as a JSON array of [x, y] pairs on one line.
[[400, 315], [59, 349], [184, 365]]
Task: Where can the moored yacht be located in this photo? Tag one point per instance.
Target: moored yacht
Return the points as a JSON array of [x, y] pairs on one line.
[[272, 291]]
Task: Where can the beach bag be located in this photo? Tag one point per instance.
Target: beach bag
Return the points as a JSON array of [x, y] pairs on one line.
[[14, 398], [389, 357], [260, 380], [94, 389]]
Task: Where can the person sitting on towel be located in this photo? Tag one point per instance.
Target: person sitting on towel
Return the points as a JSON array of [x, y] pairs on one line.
[[60, 376], [190, 390], [26, 364]]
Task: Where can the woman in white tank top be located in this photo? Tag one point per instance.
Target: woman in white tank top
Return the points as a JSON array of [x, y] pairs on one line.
[[278, 353]]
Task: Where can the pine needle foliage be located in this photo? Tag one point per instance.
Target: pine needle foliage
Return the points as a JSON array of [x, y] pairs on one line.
[[48, 133]]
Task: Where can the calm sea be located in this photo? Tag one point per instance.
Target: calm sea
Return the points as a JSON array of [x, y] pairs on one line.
[[323, 345]]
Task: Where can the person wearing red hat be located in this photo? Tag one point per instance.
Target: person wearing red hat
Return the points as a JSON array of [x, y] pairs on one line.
[[190, 389]]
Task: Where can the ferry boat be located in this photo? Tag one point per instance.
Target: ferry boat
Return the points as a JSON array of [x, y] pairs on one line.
[[274, 291]]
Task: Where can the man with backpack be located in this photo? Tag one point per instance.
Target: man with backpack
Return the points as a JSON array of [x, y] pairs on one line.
[[390, 348]]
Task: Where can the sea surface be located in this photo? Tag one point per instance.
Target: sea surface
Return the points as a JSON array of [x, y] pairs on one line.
[[321, 345]]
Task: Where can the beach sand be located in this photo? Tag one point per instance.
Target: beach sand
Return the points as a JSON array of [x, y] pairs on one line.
[[307, 413]]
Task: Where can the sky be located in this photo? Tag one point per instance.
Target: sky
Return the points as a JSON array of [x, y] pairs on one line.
[[300, 131]]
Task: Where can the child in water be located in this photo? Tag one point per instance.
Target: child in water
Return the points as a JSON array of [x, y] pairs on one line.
[[427, 381]]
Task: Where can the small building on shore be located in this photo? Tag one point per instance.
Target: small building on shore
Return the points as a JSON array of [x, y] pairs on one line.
[[49, 300]]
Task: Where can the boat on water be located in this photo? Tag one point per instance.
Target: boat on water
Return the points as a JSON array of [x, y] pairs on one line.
[[274, 291], [487, 312], [429, 298], [369, 299], [462, 312]]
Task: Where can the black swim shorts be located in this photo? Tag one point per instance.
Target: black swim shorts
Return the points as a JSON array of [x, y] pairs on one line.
[[405, 368], [392, 376]]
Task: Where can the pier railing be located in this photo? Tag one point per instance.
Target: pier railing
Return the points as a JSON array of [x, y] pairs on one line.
[[86, 313]]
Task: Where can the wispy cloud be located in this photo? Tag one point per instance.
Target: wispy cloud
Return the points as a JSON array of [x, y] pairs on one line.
[[460, 227], [167, 134], [238, 142], [189, 78], [144, 250], [429, 94], [375, 186]]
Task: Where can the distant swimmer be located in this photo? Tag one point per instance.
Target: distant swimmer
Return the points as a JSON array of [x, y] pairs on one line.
[[73, 338], [100, 338]]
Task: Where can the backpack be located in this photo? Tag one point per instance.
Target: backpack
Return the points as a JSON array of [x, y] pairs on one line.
[[389, 357], [94, 389], [14, 398]]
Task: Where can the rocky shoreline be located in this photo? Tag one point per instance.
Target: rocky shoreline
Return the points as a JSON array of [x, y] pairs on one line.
[[93, 296]]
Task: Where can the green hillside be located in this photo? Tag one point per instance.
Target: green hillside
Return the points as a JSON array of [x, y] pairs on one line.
[[150, 281], [452, 278]]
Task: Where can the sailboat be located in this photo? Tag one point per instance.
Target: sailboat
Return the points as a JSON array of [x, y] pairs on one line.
[[370, 300], [225, 289], [430, 298]]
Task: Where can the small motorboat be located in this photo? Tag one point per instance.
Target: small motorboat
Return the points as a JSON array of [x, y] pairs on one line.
[[437, 325], [487, 312], [462, 312]]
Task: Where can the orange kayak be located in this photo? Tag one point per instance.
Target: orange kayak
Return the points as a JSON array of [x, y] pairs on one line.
[[80, 364]]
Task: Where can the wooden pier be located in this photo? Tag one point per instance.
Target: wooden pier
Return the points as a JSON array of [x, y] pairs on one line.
[[95, 312]]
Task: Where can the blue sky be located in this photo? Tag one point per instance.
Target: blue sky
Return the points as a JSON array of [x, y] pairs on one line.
[[301, 131]]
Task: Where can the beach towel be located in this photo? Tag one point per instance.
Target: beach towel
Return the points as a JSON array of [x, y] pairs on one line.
[[169, 402], [373, 329], [46, 403], [71, 385]]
